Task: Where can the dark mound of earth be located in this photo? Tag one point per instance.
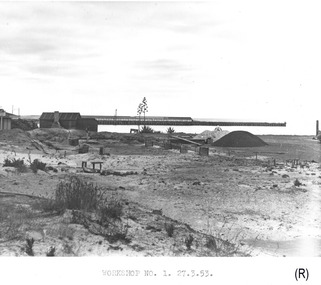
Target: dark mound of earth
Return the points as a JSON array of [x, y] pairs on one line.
[[239, 139]]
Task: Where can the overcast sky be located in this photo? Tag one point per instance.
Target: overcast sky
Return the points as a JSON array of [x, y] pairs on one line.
[[221, 59]]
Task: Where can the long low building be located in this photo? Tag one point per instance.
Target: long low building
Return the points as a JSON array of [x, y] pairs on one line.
[[67, 121]]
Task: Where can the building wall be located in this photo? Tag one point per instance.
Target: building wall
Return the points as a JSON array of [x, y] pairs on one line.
[[82, 124], [89, 124], [6, 123], [72, 124], [45, 124]]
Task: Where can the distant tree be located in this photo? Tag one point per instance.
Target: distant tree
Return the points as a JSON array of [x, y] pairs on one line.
[[139, 113], [147, 130], [170, 130], [142, 108]]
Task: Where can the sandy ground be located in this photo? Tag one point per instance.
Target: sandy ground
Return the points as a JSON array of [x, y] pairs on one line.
[[249, 201]]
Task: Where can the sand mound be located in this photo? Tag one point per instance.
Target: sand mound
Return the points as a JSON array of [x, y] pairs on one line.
[[239, 139], [56, 134], [15, 136]]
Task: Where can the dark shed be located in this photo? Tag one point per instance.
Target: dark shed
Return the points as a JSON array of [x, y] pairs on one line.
[[90, 124], [68, 121], [56, 119]]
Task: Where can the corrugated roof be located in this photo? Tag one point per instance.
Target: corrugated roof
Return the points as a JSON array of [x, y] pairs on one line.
[[69, 116], [62, 116], [5, 114]]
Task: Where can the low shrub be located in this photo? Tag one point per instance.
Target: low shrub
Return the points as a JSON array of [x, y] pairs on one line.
[[110, 211], [14, 220], [111, 229], [17, 163], [85, 199], [37, 165], [13, 163], [76, 194], [49, 206], [170, 130], [116, 231], [147, 130]]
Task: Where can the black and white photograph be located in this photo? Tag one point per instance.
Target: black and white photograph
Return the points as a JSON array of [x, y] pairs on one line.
[[149, 130]]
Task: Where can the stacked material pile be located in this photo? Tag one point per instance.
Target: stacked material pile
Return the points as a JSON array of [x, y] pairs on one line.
[[239, 139]]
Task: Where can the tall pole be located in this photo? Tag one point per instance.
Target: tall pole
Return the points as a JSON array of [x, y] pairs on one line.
[[115, 116], [317, 127]]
